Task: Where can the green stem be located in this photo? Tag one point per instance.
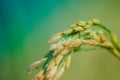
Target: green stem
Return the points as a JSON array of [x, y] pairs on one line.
[[115, 42], [104, 27], [112, 50], [113, 38]]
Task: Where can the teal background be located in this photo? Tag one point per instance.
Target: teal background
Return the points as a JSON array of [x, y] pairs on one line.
[[27, 25]]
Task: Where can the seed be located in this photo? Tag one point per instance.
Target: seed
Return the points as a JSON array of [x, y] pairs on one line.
[[52, 72], [56, 37], [68, 62], [57, 52], [88, 31], [42, 77], [96, 21], [36, 65], [59, 73], [78, 29], [96, 37], [85, 41], [102, 38], [76, 43], [53, 47], [68, 31], [58, 59], [51, 65], [72, 26], [90, 23], [93, 42], [68, 42], [81, 23], [107, 44], [39, 75], [64, 52]]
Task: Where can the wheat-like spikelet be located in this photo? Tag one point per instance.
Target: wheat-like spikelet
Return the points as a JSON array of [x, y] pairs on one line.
[[65, 43]]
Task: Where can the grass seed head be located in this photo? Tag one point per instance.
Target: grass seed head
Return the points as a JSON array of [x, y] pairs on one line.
[[79, 34]]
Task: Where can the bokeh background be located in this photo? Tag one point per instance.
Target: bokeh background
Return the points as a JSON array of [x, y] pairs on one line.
[[27, 25]]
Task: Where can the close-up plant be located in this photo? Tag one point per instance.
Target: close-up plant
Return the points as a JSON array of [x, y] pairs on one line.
[[84, 35]]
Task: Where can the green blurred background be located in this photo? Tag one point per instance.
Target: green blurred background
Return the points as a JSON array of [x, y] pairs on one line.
[[27, 25]]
